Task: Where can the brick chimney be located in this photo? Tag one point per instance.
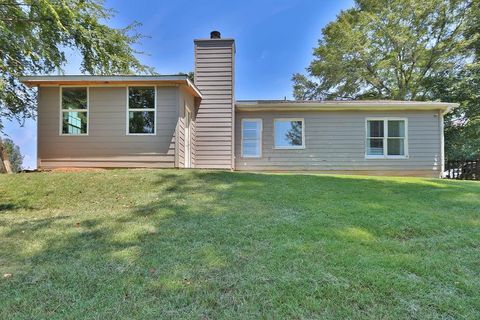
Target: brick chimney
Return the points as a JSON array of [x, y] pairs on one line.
[[214, 77]]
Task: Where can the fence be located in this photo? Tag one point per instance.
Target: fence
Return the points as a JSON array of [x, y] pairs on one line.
[[463, 169]]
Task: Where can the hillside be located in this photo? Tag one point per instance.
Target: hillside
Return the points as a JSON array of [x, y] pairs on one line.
[[210, 244]]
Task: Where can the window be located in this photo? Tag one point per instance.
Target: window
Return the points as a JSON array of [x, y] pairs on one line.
[[289, 134], [74, 111], [141, 110], [251, 138], [386, 138]]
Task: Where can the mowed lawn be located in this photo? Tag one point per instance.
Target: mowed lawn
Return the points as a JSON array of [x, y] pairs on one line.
[[149, 244]]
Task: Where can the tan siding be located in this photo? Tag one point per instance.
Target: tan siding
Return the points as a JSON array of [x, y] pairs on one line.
[[186, 100], [214, 76], [194, 137], [335, 141], [107, 144], [181, 131]]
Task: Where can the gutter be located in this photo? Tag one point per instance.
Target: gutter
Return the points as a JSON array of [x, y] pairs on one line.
[[344, 106], [87, 80]]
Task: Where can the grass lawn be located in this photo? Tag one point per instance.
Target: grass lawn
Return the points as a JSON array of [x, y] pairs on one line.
[[151, 244]]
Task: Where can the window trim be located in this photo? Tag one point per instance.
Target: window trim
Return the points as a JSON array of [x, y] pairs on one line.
[[385, 139], [73, 110], [142, 109], [289, 147], [260, 120]]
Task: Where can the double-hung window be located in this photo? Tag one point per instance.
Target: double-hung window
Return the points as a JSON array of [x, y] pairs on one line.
[[251, 138], [289, 133], [74, 110], [386, 138], [141, 110]]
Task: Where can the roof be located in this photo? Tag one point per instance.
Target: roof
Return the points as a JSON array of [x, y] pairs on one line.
[[111, 80], [341, 105]]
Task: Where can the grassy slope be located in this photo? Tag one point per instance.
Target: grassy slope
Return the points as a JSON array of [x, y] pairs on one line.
[[196, 244]]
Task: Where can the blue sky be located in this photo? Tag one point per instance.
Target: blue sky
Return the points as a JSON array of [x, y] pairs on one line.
[[274, 39]]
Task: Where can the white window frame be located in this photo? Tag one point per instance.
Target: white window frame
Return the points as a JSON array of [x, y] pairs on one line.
[[141, 109], [259, 120], [385, 138], [74, 110], [288, 147]]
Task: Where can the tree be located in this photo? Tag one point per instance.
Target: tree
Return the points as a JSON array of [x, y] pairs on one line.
[[14, 155], [387, 49], [462, 126], [34, 34], [294, 135], [405, 50]]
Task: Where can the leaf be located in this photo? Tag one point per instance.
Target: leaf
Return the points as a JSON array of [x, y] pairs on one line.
[[34, 35]]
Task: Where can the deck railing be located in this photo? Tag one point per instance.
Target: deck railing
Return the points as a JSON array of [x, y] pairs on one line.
[[462, 169]]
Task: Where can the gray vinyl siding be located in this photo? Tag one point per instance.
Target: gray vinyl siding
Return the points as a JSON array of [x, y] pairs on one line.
[[214, 76], [335, 141], [107, 144]]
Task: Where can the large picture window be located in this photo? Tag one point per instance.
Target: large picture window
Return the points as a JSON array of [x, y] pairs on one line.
[[74, 111], [141, 110], [289, 133], [386, 138], [251, 138]]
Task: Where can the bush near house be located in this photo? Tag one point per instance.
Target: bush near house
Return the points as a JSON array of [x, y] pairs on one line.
[[150, 244]]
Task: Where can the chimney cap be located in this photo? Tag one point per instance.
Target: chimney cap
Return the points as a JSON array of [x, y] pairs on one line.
[[215, 35]]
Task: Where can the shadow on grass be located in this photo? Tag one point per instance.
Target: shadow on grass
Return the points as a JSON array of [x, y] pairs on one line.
[[14, 206], [209, 242], [34, 225]]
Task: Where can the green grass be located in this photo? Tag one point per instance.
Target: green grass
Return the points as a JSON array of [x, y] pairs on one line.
[[151, 244]]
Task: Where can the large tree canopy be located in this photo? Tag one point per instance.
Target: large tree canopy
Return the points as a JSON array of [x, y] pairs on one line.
[[35, 33], [387, 49], [462, 127], [405, 50]]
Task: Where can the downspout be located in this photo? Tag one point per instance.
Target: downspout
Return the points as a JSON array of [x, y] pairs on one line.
[[442, 136], [442, 142]]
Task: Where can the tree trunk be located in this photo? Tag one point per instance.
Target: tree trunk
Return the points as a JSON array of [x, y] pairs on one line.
[[4, 158]]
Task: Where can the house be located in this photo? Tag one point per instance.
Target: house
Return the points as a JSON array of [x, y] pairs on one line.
[[168, 121]]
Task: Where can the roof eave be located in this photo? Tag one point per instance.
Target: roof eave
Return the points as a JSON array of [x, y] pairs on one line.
[[38, 81], [193, 87], [445, 107]]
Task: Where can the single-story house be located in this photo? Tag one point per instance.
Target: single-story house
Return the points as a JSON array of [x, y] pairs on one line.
[[168, 121]]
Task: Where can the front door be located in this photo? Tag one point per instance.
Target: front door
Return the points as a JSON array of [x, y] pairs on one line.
[[188, 154]]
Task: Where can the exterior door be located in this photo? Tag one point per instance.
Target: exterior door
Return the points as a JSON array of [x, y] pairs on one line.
[[188, 153]]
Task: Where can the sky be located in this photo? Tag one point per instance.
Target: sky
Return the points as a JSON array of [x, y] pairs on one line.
[[274, 39]]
